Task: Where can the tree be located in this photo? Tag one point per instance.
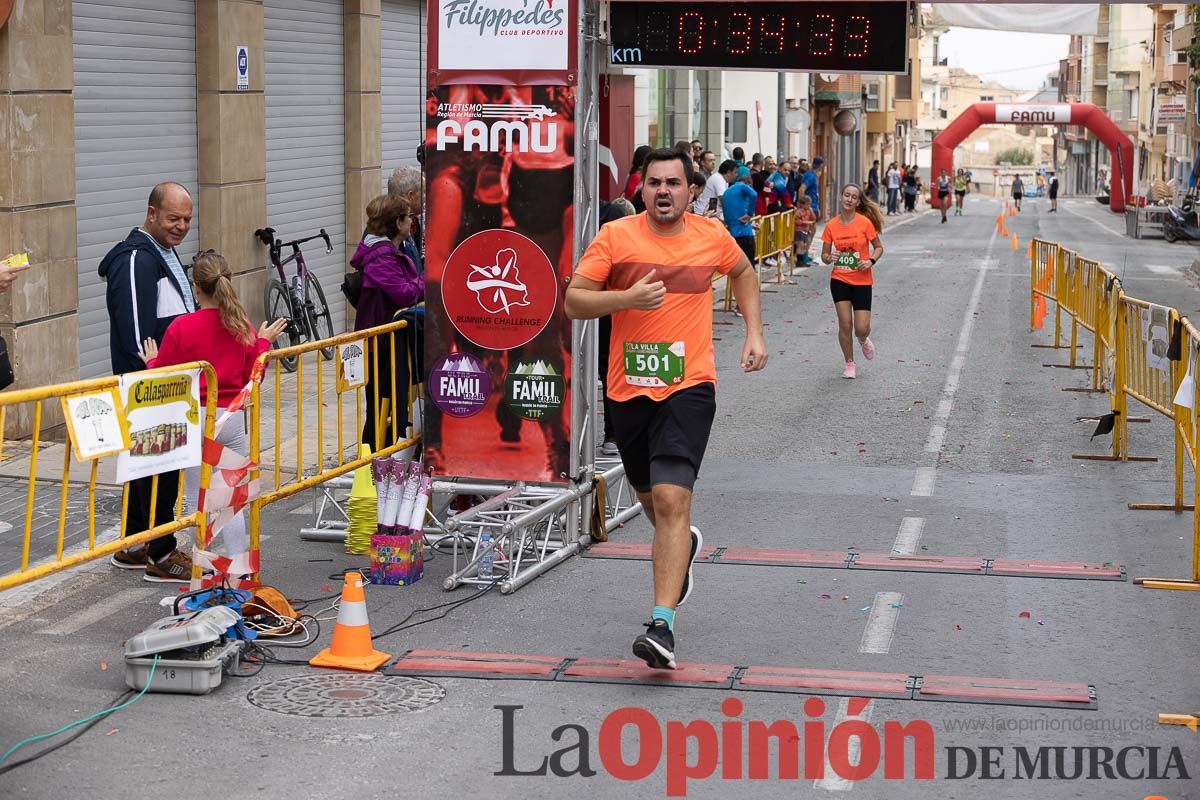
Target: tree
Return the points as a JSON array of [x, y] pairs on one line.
[[1017, 156]]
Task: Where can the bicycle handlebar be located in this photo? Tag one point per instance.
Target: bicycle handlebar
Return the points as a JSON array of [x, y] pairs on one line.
[[267, 237]]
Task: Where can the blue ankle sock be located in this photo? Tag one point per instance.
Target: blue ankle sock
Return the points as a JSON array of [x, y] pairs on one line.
[[667, 615]]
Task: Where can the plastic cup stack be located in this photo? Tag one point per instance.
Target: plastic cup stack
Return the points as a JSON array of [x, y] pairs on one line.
[[361, 508]]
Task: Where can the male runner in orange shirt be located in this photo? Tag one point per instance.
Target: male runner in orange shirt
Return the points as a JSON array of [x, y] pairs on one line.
[[653, 273]]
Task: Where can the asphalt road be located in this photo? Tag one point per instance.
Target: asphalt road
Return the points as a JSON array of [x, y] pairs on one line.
[[954, 440]]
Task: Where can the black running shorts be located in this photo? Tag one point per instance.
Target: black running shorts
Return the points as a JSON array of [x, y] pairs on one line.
[[943, 194], [859, 297], [663, 441], [748, 245]]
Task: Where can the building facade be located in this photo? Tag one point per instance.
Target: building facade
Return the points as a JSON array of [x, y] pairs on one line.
[[100, 100]]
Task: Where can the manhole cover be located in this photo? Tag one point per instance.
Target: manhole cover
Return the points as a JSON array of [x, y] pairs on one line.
[[345, 695]]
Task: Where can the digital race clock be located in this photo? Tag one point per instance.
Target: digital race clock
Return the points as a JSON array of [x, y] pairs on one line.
[[791, 36]]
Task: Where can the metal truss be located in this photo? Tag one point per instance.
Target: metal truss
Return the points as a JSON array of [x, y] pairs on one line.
[[531, 527]]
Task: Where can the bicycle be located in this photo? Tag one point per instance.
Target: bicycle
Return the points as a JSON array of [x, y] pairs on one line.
[[301, 302]]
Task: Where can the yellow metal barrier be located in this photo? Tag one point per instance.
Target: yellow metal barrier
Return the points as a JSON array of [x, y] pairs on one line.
[[785, 236], [45, 564], [1128, 362], [306, 404], [772, 237], [1186, 446]]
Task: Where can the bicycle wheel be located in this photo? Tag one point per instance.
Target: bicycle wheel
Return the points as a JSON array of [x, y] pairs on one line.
[[277, 304], [320, 323]]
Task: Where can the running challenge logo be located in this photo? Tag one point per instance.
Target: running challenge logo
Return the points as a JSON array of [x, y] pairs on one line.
[[497, 127], [503, 34], [499, 289]]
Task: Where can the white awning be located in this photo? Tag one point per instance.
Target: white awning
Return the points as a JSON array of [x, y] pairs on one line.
[[1080, 18]]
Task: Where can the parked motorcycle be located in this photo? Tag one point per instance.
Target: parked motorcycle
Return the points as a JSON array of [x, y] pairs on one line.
[[1180, 223]]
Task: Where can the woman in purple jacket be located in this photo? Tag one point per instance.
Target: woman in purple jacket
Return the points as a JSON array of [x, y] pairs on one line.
[[391, 282]]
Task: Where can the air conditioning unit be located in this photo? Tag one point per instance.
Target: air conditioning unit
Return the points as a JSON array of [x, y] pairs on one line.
[[872, 102]]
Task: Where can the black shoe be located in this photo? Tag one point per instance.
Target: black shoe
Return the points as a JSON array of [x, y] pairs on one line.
[[656, 646], [697, 543]]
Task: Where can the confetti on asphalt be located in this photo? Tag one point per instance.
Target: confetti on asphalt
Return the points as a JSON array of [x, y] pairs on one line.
[[1023, 615], [1041, 622], [103, 666], [897, 605], [924, 547], [824, 597], [958, 627], [114, 730], [845, 597], [865, 608]]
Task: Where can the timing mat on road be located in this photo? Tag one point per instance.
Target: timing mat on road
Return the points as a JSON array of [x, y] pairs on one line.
[[858, 560], [728, 677]]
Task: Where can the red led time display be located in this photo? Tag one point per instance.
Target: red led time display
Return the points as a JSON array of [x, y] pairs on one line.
[[824, 37]]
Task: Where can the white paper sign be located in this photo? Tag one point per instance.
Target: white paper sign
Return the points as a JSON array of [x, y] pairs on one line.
[[1186, 394], [352, 365], [243, 68], [1157, 338], [163, 410], [97, 424], [496, 35]]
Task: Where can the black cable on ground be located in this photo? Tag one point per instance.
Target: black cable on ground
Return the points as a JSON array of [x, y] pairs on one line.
[[80, 731]]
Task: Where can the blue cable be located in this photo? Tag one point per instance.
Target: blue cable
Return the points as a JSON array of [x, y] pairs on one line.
[[86, 720]]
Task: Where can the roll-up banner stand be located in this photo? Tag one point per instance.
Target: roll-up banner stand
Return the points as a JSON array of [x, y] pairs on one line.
[[499, 189]]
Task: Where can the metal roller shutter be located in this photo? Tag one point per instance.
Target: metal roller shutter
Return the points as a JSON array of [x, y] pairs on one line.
[[135, 125], [306, 158], [404, 47]]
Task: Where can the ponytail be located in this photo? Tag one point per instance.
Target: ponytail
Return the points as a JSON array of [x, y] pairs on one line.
[[868, 208], [211, 273]]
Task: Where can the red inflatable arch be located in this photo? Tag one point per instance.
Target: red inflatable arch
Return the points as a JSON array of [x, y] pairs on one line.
[[1084, 114]]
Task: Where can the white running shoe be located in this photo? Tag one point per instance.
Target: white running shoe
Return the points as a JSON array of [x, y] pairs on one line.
[[868, 349], [848, 372], [609, 448]]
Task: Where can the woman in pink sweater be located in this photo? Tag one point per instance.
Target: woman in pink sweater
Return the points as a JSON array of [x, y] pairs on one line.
[[219, 333]]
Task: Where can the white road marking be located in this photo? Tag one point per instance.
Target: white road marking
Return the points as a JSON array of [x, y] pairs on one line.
[[1113, 231], [1162, 269], [881, 624], [105, 608], [909, 536], [926, 477], [924, 481], [832, 781]]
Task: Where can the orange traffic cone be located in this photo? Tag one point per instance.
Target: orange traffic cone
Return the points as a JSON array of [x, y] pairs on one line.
[[1039, 312], [351, 646], [1014, 242]]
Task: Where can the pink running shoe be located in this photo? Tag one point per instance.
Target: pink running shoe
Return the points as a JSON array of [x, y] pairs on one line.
[[848, 372], [868, 349]]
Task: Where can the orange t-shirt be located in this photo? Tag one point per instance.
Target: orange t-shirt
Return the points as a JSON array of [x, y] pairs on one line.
[[657, 353], [856, 236]]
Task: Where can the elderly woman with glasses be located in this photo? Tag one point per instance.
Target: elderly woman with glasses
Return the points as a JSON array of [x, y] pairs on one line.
[[391, 282]]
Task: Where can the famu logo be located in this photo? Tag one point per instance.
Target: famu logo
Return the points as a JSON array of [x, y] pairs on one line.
[[496, 127], [459, 385], [502, 20], [533, 389]]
